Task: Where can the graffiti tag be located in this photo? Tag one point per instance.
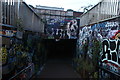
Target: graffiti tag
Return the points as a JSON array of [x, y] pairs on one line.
[[111, 55]]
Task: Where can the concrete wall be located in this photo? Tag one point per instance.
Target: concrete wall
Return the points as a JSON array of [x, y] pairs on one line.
[[30, 20]]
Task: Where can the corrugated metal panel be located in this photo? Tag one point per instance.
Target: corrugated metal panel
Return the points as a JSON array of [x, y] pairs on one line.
[[13, 10], [0, 11], [103, 10]]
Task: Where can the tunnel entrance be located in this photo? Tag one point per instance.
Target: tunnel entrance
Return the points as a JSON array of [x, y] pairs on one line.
[[59, 62], [62, 49]]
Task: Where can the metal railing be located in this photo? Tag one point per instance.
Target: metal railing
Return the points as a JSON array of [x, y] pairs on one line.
[[25, 70]]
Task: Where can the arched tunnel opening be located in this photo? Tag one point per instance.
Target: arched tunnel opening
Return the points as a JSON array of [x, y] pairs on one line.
[[63, 49]]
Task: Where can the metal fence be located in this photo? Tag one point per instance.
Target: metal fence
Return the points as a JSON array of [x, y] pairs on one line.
[[8, 11], [105, 9], [0, 12], [13, 10]]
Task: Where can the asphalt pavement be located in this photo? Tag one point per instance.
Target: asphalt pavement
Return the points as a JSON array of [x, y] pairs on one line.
[[58, 68]]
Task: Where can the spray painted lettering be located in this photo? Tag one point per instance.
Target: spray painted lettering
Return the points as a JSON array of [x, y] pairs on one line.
[[109, 49], [68, 30], [111, 54]]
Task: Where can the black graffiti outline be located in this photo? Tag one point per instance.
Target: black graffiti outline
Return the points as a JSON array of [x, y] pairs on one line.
[[65, 33], [112, 56], [72, 27]]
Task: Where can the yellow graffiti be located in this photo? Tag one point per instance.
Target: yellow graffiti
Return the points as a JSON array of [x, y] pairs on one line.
[[3, 55], [117, 36]]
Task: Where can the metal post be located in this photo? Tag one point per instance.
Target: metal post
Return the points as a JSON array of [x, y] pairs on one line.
[[18, 8], [7, 11], [4, 4], [0, 39], [0, 11], [10, 11]]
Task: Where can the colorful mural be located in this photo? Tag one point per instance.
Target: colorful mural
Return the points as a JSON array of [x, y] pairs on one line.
[[8, 33], [20, 53], [62, 29], [99, 44]]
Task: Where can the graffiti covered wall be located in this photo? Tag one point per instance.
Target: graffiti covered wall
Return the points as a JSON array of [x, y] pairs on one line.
[[62, 29], [110, 57], [99, 44]]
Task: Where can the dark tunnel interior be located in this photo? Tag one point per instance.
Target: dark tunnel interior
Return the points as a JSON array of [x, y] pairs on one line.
[[62, 49]]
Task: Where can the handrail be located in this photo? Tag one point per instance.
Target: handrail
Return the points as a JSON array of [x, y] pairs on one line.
[[20, 72], [101, 21]]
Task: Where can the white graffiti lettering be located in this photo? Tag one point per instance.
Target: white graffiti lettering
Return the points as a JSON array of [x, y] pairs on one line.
[[111, 52], [112, 24]]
